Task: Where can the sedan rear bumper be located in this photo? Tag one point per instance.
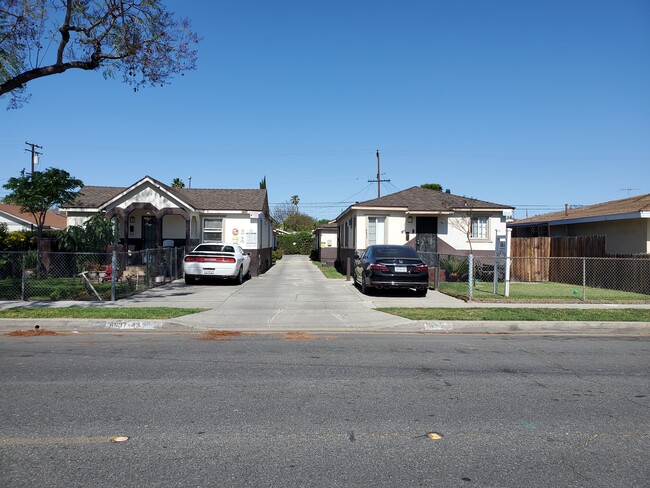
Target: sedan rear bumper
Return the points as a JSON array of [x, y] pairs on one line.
[[398, 284]]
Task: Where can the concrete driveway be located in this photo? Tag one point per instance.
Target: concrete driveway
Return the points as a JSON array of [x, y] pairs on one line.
[[292, 294]]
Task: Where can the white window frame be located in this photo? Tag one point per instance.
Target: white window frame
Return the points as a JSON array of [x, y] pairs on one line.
[[212, 225], [480, 228]]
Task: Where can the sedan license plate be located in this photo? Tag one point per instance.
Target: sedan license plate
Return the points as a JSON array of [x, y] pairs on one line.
[[400, 269], [208, 271]]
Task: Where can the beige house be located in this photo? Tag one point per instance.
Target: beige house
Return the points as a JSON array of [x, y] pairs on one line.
[[624, 223], [428, 220], [150, 214]]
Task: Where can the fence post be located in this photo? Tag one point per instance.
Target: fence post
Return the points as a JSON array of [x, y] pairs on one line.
[[113, 274], [470, 277], [146, 269], [24, 277], [584, 279]]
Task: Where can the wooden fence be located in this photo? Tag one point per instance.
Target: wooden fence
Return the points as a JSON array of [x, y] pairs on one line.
[[577, 260]]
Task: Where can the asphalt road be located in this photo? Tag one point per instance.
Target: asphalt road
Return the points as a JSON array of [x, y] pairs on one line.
[[327, 410]]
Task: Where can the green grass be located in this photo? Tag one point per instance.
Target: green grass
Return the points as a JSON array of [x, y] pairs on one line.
[[97, 313], [329, 271], [542, 292], [522, 314]]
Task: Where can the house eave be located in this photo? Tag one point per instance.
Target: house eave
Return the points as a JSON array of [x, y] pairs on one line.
[[585, 220]]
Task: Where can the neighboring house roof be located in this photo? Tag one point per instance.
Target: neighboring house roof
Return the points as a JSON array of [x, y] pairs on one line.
[[423, 200], [12, 212], [96, 197], [627, 208]]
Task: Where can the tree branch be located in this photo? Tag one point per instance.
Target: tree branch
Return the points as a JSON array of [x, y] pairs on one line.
[[54, 69]]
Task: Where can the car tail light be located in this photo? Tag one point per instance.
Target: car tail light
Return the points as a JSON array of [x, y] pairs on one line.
[[422, 267], [378, 267], [208, 259]]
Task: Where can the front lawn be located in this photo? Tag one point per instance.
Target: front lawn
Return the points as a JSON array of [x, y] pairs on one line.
[[135, 313], [540, 292], [522, 314], [329, 271]]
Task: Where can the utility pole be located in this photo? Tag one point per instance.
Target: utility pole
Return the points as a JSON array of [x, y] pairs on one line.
[[35, 154], [378, 180]]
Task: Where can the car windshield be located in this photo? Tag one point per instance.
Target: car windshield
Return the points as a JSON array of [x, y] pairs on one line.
[[215, 248], [395, 252]]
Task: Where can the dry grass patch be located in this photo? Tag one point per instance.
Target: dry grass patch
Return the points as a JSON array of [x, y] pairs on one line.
[[299, 336], [219, 335], [34, 332]]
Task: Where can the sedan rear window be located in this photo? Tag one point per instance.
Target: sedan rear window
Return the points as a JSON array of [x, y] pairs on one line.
[[396, 252], [215, 248]]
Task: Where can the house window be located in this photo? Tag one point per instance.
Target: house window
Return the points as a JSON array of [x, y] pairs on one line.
[[376, 230], [479, 227], [212, 230]]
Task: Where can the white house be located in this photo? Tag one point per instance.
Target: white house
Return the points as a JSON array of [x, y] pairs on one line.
[[14, 219], [428, 220], [149, 214]]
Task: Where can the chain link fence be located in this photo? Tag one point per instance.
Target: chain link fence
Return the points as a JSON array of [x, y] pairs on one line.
[[32, 276], [597, 280]]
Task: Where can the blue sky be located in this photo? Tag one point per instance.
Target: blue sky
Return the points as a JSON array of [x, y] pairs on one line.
[[527, 103]]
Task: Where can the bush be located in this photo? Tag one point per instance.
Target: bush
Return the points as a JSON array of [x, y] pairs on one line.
[[313, 255], [456, 269], [298, 243], [276, 255]]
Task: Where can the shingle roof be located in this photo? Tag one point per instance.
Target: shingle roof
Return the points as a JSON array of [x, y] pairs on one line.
[[637, 204], [199, 198], [52, 219], [418, 199]]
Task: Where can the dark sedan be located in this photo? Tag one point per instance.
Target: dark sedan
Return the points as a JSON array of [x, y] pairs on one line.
[[385, 266]]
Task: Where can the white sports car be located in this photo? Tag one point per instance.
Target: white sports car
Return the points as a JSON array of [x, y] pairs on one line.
[[217, 261]]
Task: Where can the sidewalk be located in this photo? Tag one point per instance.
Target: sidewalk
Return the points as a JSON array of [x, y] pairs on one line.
[[294, 295]]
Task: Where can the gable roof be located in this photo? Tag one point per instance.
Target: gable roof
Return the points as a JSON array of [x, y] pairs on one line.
[[417, 199], [626, 208], [96, 197], [52, 219]]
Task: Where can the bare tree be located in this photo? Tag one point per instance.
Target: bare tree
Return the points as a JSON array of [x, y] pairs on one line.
[[140, 39]]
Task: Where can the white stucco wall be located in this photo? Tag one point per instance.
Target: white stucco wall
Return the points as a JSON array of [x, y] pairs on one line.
[[453, 231], [173, 227], [327, 239]]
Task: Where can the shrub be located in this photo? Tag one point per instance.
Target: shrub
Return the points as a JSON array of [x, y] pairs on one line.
[[276, 255], [298, 243], [456, 269]]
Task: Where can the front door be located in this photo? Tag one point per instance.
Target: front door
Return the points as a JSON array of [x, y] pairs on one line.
[[426, 241], [148, 232]]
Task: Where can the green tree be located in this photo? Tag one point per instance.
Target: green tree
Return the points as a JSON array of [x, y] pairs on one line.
[[263, 183], [298, 221], [295, 200], [37, 193], [178, 183], [140, 39], [432, 186]]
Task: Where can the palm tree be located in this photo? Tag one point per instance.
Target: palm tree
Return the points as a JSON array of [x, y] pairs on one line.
[[178, 183], [295, 200]]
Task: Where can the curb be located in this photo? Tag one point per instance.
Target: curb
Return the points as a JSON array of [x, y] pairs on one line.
[[422, 326]]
